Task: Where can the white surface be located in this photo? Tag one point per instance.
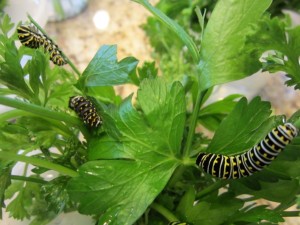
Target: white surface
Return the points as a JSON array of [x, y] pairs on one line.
[[72, 218], [18, 10]]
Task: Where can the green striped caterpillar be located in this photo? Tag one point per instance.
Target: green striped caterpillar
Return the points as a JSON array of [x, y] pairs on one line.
[[29, 36], [85, 110], [255, 159]]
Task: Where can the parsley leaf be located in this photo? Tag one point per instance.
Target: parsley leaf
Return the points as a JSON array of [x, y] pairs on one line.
[[123, 189], [105, 70], [224, 55], [243, 127], [273, 35]]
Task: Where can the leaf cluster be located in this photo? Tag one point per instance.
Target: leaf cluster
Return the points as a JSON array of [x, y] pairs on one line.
[[139, 167], [39, 93]]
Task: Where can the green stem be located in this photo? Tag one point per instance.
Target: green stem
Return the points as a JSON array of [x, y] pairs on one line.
[[201, 19], [38, 162], [215, 186], [58, 8], [193, 124], [62, 53], [189, 161], [290, 213], [12, 114], [174, 27], [38, 110], [164, 212], [176, 176], [71, 64], [44, 112], [28, 179]]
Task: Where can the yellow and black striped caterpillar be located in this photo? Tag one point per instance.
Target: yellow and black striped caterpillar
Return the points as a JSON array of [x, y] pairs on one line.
[[85, 110], [30, 37], [245, 164]]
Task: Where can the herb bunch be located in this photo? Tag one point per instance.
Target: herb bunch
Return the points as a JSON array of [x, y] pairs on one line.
[[139, 166]]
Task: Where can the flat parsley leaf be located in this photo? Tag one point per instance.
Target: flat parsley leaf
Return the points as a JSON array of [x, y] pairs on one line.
[[120, 189]]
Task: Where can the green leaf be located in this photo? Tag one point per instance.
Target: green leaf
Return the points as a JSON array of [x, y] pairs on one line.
[[148, 70], [146, 146], [14, 137], [5, 181], [282, 191], [17, 207], [211, 122], [243, 127], [272, 35], [107, 148], [105, 94], [211, 115], [223, 106], [288, 162], [56, 195], [11, 72], [295, 118], [185, 203], [214, 212], [6, 25], [224, 56], [36, 68], [28, 202], [256, 214], [160, 105], [174, 27], [105, 70], [122, 190]]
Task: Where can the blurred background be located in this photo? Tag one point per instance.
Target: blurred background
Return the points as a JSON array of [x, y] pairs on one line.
[[80, 27]]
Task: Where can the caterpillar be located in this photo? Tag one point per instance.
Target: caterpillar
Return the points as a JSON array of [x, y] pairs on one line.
[[255, 159], [29, 36], [177, 223], [85, 110]]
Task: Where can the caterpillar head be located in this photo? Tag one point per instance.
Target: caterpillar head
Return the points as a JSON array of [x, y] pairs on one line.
[[292, 128], [73, 100]]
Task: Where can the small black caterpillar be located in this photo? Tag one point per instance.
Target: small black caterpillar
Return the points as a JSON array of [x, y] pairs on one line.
[[245, 164], [85, 110], [30, 37]]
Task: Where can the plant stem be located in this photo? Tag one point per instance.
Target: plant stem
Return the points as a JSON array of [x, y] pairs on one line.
[[201, 19], [38, 110], [193, 124], [44, 112], [43, 32], [12, 114], [189, 161], [164, 212], [290, 213], [38, 162], [215, 186], [176, 175], [28, 179], [174, 27]]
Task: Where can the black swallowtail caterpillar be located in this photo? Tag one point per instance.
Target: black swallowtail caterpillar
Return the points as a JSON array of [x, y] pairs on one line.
[[30, 37], [245, 164], [177, 223], [85, 110]]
